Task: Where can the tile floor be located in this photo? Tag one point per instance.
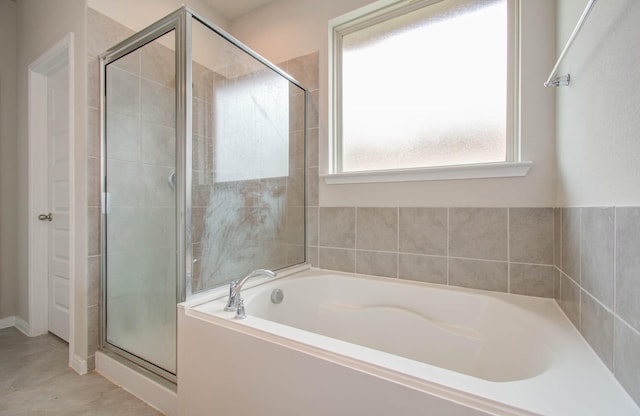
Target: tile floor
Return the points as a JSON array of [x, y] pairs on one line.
[[35, 380]]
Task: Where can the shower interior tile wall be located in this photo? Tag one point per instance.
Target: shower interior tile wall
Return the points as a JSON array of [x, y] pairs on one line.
[[242, 225]]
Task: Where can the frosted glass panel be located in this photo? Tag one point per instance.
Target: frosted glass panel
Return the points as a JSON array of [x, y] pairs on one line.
[[427, 88], [141, 209], [248, 164]]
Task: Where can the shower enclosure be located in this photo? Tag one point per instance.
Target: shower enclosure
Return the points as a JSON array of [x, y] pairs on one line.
[[202, 177]]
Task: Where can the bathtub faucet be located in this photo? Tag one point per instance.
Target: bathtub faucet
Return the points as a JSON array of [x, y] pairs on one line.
[[235, 302]]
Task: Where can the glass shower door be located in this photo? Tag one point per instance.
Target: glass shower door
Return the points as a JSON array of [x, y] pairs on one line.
[[140, 209]]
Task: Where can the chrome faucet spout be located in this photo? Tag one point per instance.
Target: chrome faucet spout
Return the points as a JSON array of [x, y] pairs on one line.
[[234, 303]]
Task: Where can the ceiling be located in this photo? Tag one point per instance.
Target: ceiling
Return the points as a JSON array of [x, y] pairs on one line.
[[232, 9]]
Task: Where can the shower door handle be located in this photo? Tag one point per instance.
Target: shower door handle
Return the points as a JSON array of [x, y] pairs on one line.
[[46, 217]]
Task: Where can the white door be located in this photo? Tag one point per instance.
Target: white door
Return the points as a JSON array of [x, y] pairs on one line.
[[59, 204]]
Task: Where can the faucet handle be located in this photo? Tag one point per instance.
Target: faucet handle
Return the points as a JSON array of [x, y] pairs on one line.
[[232, 303], [240, 313]]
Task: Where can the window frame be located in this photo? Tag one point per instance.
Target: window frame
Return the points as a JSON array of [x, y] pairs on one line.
[[387, 9]]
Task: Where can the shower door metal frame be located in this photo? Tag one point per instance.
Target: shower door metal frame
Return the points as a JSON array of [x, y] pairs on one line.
[[179, 21]]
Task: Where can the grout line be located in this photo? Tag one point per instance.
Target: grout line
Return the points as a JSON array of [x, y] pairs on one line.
[[484, 260], [580, 268], [615, 256], [355, 242], [615, 286], [508, 251], [397, 242], [448, 243]]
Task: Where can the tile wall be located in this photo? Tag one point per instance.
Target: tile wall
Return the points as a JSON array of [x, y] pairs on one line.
[[501, 249], [597, 271]]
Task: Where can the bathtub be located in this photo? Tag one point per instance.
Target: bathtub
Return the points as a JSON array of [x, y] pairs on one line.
[[344, 344]]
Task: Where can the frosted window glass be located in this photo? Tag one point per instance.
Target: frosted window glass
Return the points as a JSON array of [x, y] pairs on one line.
[[428, 88]]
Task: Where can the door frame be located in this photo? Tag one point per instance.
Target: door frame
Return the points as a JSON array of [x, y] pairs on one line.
[[60, 54]]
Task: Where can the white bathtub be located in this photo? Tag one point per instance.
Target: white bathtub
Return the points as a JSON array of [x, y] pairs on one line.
[[359, 345]]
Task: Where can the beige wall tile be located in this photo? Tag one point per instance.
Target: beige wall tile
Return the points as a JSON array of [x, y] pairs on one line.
[[377, 229], [296, 113], [423, 231], [155, 186], [129, 62], [158, 145], [557, 237], [93, 323], [477, 274], [627, 358], [124, 136], [312, 187], [556, 283], [531, 235], [532, 280], [337, 259], [570, 299], [304, 69], [628, 265], [157, 103], [312, 112], [296, 149], [596, 326], [93, 132], [93, 182], [570, 236], [157, 62], [337, 227], [93, 280], [93, 82], [597, 256], [376, 263], [429, 269], [312, 225], [124, 185], [313, 256], [202, 78], [478, 233], [123, 90], [103, 32], [312, 147], [93, 231], [202, 118]]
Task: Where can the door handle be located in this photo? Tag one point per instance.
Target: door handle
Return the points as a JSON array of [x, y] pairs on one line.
[[46, 217]]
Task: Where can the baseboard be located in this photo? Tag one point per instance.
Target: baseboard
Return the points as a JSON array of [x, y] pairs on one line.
[[23, 326], [79, 365], [7, 322], [158, 396]]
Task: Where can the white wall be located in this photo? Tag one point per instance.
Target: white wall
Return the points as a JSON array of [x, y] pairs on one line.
[[598, 115], [8, 148], [289, 28], [41, 24], [138, 14]]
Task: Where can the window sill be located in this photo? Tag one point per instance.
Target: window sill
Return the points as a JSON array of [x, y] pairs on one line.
[[476, 171]]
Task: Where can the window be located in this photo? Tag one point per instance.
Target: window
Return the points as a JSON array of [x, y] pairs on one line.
[[423, 84]]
